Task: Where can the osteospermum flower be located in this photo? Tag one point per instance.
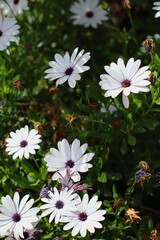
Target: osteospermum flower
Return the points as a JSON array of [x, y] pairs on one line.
[[8, 31], [86, 218], [68, 68], [23, 142], [69, 156], [157, 8], [88, 13], [125, 79], [14, 6], [17, 215], [59, 204], [28, 234]]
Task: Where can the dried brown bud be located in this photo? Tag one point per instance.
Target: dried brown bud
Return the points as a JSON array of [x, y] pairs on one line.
[[154, 235], [117, 203], [152, 78], [94, 106], [53, 90], [142, 176], [144, 165], [19, 85], [39, 128], [71, 120], [149, 46], [126, 4], [116, 123], [132, 216]]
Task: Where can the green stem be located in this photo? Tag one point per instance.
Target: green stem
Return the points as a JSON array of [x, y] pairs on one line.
[[133, 27]]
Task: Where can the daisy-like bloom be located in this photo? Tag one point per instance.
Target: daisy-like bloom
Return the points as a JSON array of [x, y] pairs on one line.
[[125, 79], [8, 31], [14, 6], [67, 183], [23, 142], [68, 68], [157, 8], [28, 234], [59, 204], [17, 215], [86, 217], [88, 13], [68, 156]]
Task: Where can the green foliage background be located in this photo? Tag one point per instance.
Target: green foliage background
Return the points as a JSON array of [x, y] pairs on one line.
[[119, 140]]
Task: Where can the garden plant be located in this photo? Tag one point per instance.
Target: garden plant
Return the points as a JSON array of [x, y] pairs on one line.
[[80, 119]]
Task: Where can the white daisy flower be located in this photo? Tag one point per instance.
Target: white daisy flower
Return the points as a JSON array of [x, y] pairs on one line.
[[23, 142], [58, 204], [68, 68], [14, 6], [67, 156], [86, 217], [157, 8], [28, 234], [8, 32], [17, 215], [88, 13], [125, 79]]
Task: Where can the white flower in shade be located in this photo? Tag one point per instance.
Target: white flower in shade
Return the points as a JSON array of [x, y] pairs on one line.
[[125, 79], [68, 68], [69, 156], [8, 32], [88, 13], [28, 234], [157, 8], [58, 204], [14, 6], [86, 218], [23, 142], [17, 215], [112, 108]]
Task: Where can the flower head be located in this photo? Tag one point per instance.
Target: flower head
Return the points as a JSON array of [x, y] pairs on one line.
[[125, 79], [88, 13], [23, 142], [14, 6], [86, 217], [68, 68], [142, 176], [58, 204], [17, 215], [68, 156], [67, 182], [8, 31], [132, 216], [157, 8]]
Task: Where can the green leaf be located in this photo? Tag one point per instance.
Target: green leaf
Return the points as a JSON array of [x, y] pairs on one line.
[[131, 140], [102, 177], [19, 181]]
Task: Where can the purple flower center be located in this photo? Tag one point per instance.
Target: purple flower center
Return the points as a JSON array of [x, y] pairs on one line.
[[59, 204], [83, 216], [1, 33], [15, 2], [70, 164], [24, 143], [89, 14], [126, 83], [16, 217], [69, 71], [26, 235]]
